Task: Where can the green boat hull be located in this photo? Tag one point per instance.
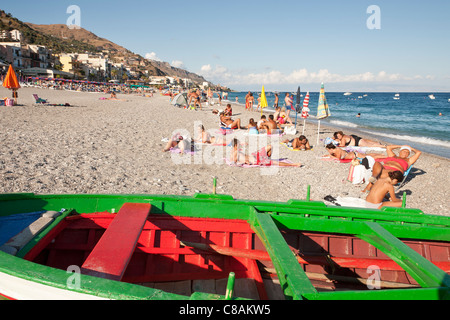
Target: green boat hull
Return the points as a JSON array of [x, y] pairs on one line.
[[379, 228]]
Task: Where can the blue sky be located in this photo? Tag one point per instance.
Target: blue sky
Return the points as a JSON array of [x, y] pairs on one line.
[[246, 44]]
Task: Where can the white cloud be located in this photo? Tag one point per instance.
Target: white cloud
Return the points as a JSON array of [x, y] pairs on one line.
[[152, 56], [178, 64], [222, 75]]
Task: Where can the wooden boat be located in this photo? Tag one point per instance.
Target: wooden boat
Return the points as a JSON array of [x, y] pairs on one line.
[[213, 247]]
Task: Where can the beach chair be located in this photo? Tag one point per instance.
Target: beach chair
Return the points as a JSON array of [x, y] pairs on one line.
[[405, 176], [39, 100]]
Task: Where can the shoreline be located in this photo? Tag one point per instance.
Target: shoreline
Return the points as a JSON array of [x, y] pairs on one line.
[[114, 147]]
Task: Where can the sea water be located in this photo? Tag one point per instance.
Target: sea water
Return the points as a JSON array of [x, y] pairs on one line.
[[412, 119]]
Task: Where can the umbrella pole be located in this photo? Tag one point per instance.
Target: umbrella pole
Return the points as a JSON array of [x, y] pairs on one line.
[[318, 133], [304, 126]]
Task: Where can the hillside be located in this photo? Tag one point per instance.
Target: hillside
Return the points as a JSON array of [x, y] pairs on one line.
[[59, 38]]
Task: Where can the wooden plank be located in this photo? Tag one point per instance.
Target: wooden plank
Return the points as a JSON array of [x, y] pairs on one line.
[[292, 277], [423, 271], [246, 288], [273, 289], [110, 257], [204, 286]]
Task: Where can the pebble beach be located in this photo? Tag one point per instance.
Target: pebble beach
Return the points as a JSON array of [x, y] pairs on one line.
[[115, 147]]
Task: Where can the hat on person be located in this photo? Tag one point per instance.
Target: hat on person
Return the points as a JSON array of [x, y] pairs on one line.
[[405, 148]]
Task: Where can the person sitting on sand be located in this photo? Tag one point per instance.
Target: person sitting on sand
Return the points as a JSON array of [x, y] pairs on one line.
[[300, 143], [227, 122], [271, 126], [284, 117], [228, 110], [354, 141], [261, 158], [375, 199], [252, 127], [261, 122], [177, 141], [205, 137], [338, 153], [392, 162]]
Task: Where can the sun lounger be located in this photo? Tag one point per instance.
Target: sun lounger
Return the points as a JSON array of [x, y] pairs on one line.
[[39, 100], [405, 176]]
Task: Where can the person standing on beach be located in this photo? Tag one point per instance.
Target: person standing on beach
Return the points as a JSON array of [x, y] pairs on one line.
[[275, 105], [288, 101]]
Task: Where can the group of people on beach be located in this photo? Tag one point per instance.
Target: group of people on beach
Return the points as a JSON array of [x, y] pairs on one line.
[[386, 171]]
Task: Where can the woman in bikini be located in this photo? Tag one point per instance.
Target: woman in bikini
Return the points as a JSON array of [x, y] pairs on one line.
[[261, 158], [392, 162], [354, 141], [338, 153]]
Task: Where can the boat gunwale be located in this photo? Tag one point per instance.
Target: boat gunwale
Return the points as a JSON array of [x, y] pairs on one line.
[[247, 210]]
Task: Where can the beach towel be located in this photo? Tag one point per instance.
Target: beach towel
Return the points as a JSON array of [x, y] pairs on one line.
[[240, 165], [363, 149], [362, 172], [289, 146], [336, 160], [347, 202]]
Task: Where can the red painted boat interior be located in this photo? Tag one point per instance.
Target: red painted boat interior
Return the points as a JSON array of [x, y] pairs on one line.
[[160, 256]]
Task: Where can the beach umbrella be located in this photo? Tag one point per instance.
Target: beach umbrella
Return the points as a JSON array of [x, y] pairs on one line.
[[264, 103], [297, 106], [305, 111], [11, 82], [322, 111]]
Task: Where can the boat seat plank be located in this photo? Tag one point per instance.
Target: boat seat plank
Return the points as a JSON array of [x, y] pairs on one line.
[[111, 255]]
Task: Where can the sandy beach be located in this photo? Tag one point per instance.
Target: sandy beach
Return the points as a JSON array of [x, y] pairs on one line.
[[111, 147]]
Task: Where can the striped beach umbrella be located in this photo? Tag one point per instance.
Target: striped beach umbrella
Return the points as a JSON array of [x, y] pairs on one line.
[[322, 111], [296, 109], [305, 111]]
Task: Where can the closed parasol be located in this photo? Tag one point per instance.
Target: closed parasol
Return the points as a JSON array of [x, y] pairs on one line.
[[11, 82], [305, 111], [323, 111], [264, 103]]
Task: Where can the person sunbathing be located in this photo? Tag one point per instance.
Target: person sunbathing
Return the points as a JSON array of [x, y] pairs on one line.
[[261, 158], [227, 122], [354, 141], [375, 199], [300, 143], [392, 162], [338, 153], [177, 141]]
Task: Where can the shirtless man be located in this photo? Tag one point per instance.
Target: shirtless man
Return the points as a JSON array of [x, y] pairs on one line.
[[196, 97], [275, 105], [270, 125], [288, 102], [379, 190], [300, 143], [229, 123]]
